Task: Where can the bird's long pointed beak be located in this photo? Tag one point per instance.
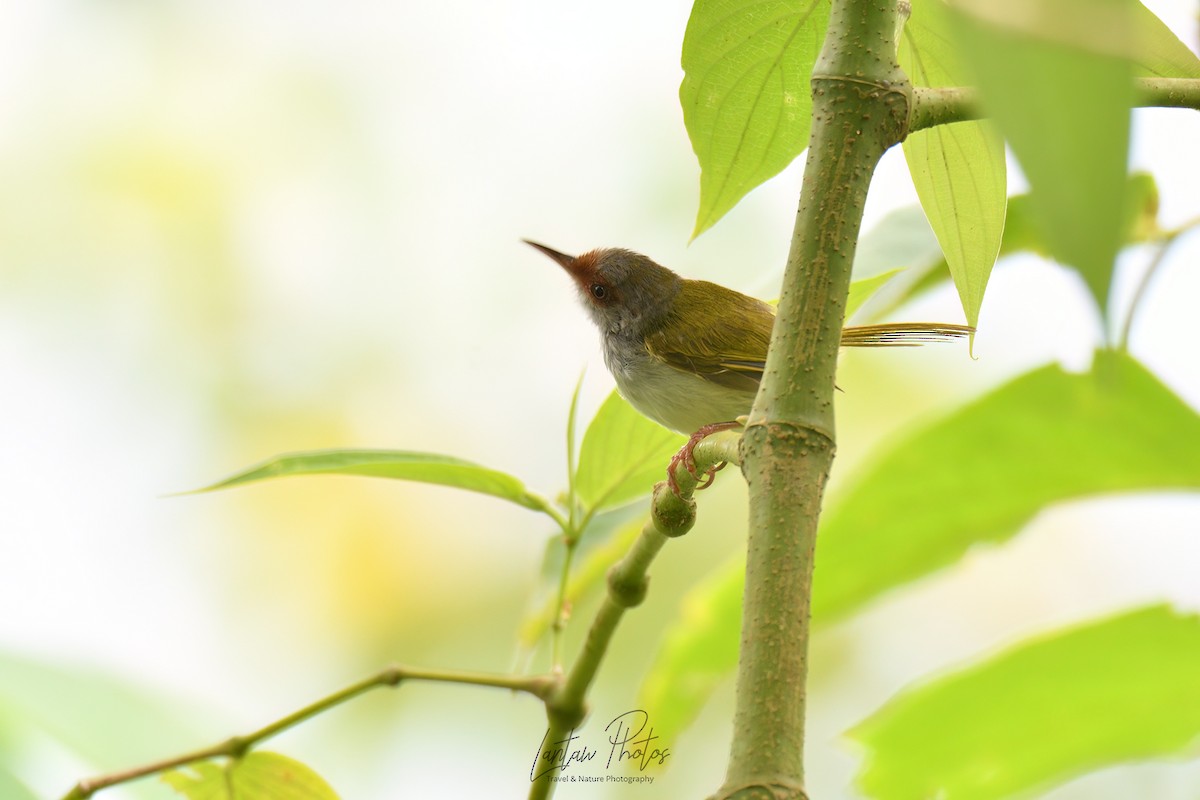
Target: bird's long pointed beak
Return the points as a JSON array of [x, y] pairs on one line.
[[565, 261]]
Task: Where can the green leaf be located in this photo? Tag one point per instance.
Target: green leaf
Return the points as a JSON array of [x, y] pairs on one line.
[[745, 94], [700, 651], [106, 720], [1159, 52], [981, 473], [1116, 690], [1064, 109], [902, 238], [958, 170], [862, 290], [623, 455], [977, 475], [397, 464], [13, 789], [257, 776], [901, 230]]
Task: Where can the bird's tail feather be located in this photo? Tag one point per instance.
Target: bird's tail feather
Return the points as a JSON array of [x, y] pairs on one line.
[[903, 334]]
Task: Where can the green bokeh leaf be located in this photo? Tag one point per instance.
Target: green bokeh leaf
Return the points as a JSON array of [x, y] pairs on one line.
[[958, 170], [398, 464], [13, 789], [588, 577], [745, 94], [862, 290], [699, 653], [904, 237], [977, 475], [981, 473], [1117, 690], [257, 776], [623, 455], [1064, 109], [107, 721]]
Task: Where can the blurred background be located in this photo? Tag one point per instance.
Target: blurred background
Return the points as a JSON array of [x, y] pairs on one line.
[[229, 230]]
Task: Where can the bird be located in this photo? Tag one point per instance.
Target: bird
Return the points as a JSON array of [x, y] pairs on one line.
[[689, 354]]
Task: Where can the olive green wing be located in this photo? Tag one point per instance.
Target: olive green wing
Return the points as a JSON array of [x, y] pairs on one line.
[[727, 347]]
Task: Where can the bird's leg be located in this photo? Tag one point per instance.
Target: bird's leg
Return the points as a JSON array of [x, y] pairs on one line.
[[686, 457]]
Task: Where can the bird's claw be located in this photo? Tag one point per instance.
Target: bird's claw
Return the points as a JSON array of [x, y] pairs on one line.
[[686, 457]]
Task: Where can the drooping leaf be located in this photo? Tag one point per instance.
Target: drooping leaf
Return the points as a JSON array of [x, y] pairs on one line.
[[106, 720], [982, 472], [257, 776], [700, 651], [623, 455], [1070, 133], [977, 475], [745, 94], [904, 237], [397, 464], [958, 170], [1159, 53], [1112, 691]]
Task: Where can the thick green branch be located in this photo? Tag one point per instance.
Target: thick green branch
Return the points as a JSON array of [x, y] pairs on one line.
[[960, 103], [540, 686], [860, 109]]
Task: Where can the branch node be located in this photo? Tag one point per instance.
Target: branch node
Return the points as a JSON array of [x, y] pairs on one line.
[[673, 515], [627, 591]]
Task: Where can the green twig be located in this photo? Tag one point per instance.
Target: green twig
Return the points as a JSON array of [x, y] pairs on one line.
[[942, 106], [1164, 245], [540, 686], [670, 516]]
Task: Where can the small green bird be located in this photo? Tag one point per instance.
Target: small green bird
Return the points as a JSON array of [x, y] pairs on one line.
[[690, 354]]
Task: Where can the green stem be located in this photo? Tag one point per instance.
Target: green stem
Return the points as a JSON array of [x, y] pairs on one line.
[[1156, 262], [860, 109], [670, 516], [541, 686], [942, 106]]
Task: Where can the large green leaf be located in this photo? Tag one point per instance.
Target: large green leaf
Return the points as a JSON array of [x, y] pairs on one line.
[[398, 464], [982, 472], [623, 455], [977, 475], [257, 776], [1117, 690], [1064, 108], [745, 94], [958, 170]]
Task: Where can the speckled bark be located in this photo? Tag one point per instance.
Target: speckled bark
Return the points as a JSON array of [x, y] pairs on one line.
[[860, 108]]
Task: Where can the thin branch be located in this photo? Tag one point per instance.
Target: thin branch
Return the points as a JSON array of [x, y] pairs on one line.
[[540, 686], [960, 103], [1159, 257], [670, 516]]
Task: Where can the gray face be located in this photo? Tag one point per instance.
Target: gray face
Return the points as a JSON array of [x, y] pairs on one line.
[[626, 293]]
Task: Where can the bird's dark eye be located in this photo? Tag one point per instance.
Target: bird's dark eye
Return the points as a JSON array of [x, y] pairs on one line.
[[599, 291]]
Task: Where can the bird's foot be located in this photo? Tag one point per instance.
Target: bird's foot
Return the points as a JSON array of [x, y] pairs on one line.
[[686, 457]]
